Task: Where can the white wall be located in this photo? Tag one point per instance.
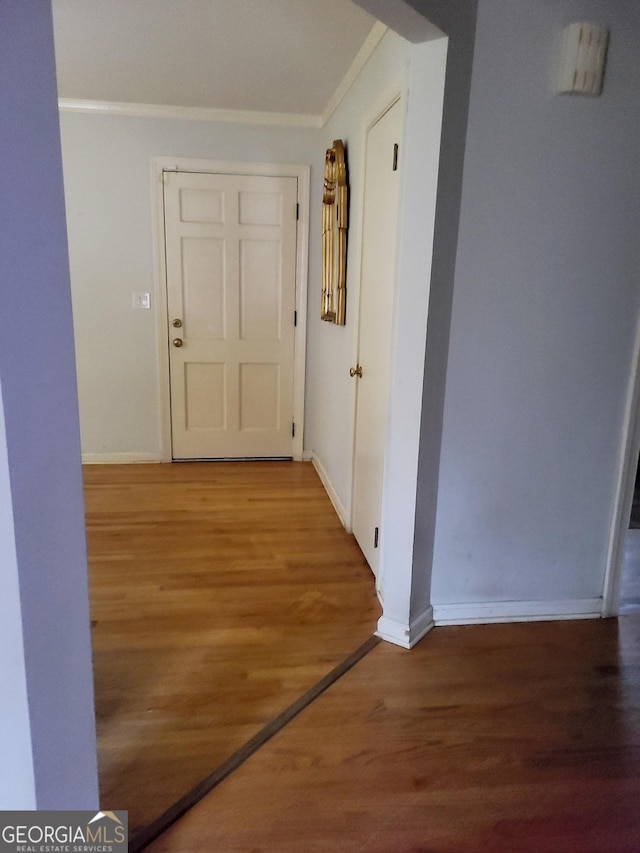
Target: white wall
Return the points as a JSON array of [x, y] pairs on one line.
[[417, 72], [42, 437], [331, 349], [545, 309], [108, 195]]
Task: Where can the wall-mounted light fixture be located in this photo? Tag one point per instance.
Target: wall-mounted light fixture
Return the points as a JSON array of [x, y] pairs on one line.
[[583, 58]]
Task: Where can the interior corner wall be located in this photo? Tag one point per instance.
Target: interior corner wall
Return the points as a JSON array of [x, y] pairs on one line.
[[41, 426], [457, 20], [109, 201], [331, 349], [544, 315]]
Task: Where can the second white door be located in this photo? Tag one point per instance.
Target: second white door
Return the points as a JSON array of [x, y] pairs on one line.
[[376, 313], [230, 262]]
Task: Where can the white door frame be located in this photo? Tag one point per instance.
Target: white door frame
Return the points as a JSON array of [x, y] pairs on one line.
[[625, 482], [181, 164]]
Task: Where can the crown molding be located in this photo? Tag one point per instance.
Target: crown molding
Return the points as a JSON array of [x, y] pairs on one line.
[[211, 114], [175, 113]]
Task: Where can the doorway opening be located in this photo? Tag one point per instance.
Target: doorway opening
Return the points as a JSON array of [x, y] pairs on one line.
[[629, 601], [621, 585]]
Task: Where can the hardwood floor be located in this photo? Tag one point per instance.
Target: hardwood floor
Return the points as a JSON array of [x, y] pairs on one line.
[[522, 738], [220, 592]]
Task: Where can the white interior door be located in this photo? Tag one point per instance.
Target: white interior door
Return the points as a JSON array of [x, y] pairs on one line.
[[231, 264], [374, 344]]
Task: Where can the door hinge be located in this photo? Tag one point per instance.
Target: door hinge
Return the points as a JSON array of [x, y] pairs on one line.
[[376, 533], [297, 211], [295, 318], [293, 430], [395, 156]]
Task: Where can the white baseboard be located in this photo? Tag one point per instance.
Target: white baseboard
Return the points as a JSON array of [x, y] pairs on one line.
[[516, 611], [119, 458], [404, 635], [333, 495]]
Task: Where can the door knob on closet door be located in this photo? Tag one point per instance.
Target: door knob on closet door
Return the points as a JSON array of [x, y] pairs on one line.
[[177, 342], [356, 371]]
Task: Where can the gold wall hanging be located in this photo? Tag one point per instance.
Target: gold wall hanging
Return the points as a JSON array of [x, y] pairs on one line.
[[334, 235]]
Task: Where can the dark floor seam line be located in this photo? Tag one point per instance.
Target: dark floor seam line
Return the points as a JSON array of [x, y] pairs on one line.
[[153, 830]]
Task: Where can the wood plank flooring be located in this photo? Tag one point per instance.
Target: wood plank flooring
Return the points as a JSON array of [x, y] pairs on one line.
[[521, 738], [220, 592]]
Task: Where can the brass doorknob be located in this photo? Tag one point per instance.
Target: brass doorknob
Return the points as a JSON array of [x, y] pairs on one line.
[[356, 371], [177, 323], [177, 342]]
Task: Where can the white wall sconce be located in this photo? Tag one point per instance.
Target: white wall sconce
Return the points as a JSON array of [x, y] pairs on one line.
[[583, 58]]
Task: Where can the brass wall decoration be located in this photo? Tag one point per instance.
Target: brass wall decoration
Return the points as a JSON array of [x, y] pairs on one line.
[[334, 235]]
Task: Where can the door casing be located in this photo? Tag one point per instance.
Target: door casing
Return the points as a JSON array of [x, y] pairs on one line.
[[302, 174]]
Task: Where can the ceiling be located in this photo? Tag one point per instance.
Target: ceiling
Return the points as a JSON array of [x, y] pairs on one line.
[[282, 56]]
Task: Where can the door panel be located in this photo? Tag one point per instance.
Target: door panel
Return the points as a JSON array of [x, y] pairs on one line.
[[374, 342], [230, 257], [260, 309], [259, 396], [204, 396], [203, 287]]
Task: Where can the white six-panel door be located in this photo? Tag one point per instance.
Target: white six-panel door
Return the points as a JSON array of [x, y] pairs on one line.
[[230, 269]]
